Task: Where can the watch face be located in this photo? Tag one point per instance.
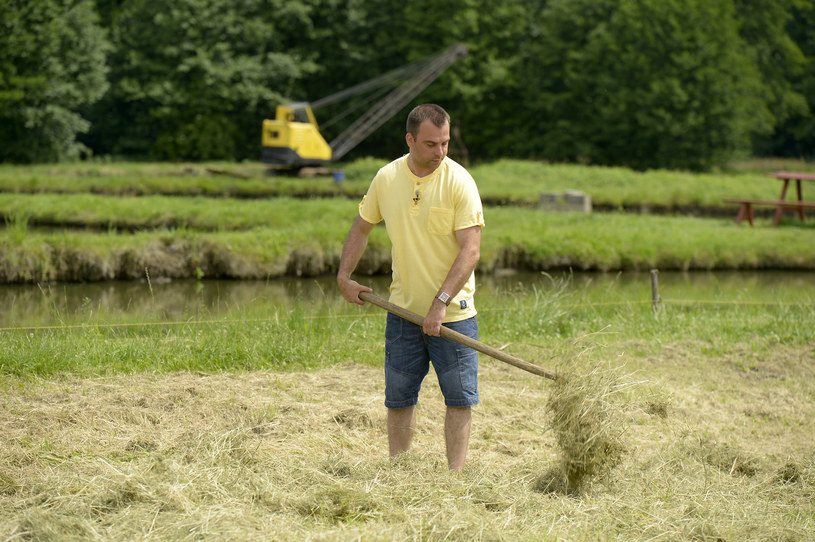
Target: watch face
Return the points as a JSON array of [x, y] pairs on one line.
[[444, 297]]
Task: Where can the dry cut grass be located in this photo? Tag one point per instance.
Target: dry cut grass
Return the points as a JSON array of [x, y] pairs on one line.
[[707, 453]]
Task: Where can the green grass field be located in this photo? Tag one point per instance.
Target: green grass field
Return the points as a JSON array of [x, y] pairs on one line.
[[264, 421]]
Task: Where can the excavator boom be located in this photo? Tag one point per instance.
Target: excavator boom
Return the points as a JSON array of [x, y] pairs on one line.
[[293, 139], [393, 102]]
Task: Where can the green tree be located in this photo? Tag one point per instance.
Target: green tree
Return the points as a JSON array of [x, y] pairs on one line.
[[350, 46], [358, 40], [52, 63], [193, 79], [785, 47], [799, 139], [643, 83], [490, 89]]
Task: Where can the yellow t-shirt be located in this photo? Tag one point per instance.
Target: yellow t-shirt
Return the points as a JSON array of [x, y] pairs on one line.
[[422, 215]]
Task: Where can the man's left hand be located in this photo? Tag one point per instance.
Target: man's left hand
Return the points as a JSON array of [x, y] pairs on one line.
[[432, 322]]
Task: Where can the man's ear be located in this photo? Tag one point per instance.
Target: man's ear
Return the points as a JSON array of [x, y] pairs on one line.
[[409, 139]]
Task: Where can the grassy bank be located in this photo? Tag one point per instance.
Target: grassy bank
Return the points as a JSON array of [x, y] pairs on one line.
[[266, 422], [311, 327], [515, 238]]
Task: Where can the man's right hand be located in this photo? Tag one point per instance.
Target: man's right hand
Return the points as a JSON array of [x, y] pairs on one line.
[[351, 289], [351, 253]]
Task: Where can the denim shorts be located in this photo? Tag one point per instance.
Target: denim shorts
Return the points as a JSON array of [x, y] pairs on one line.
[[408, 353]]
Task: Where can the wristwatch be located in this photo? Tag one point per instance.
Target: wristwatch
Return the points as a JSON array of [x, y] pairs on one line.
[[444, 297]]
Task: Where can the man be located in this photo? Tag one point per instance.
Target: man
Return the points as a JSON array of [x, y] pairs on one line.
[[433, 215]]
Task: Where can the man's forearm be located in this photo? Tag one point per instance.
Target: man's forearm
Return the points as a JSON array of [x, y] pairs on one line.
[[353, 248], [465, 262], [352, 251], [460, 271]]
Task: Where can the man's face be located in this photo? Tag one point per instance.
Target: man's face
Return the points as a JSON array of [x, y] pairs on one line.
[[429, 147]]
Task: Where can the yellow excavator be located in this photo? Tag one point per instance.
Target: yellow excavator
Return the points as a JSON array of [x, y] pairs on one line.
[[293, 139]]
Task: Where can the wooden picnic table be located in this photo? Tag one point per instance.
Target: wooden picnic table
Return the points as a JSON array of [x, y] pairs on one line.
[[782, 204]]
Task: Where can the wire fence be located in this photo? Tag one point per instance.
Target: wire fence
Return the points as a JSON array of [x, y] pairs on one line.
[[221, 321]]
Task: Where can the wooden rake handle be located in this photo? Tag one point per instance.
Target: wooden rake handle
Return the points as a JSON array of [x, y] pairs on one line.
[[448, 333]]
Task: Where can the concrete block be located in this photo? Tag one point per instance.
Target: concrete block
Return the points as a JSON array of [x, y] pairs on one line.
[[570, 200]]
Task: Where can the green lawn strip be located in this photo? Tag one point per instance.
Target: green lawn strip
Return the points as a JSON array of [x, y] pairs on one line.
[[757, 323], [513, 181], [539, 241], [276, 341], [148, 212], [270, 333], [265, 333], [524, 182], [137, 179]]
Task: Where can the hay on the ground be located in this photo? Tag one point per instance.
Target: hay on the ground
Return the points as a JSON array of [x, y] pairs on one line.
[[585, 415]]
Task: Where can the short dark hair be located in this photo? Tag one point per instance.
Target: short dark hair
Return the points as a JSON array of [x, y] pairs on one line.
[[432, 112]]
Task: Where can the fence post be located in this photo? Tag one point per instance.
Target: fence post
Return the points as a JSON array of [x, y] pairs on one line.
[[655, 299]]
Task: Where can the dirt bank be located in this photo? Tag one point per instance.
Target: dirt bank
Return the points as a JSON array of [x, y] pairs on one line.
[[203, 258]]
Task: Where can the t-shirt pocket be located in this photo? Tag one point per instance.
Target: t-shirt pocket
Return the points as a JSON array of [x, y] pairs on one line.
[[440, 221]]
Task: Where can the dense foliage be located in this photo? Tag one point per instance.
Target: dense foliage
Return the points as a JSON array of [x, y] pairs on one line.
[[52, 62], [191, 79], [653, 82], [684, 84]]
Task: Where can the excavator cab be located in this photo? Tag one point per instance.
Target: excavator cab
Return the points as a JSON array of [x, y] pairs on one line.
[[293, 138]]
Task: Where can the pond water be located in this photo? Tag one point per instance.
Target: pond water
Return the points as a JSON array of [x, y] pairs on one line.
[[42, 305]]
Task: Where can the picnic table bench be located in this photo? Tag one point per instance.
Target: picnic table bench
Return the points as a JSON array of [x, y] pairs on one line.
[[781, 204]]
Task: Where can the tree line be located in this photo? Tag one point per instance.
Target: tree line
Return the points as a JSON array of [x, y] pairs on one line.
[[681, 84]]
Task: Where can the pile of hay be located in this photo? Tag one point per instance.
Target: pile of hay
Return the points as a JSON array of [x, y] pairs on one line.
[[586, 417]]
